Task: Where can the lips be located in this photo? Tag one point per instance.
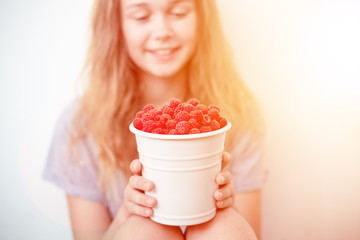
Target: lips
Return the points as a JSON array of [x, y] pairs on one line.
[[164, 53]]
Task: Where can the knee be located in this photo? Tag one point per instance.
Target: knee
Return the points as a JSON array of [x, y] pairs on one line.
[[137, 228], [227, 224]]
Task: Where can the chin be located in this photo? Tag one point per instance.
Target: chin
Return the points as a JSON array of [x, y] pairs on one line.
[[165, 73]]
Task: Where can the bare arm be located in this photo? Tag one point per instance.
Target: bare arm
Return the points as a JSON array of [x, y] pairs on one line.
[[90, 220], [248, 204]]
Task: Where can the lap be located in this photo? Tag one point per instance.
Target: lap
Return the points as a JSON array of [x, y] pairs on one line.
[[227, 224], [138, 228]]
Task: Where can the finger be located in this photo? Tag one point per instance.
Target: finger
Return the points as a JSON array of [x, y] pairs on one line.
[[225, 203], [225, 160], [139, 210], [140, 183], [223, 177], [142, 199], [225, 192], [135, 167]]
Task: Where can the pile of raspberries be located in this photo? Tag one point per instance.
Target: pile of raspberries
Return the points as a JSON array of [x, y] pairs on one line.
[[178, 117]]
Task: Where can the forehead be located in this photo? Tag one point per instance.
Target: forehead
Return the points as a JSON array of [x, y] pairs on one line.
[[152, 3]]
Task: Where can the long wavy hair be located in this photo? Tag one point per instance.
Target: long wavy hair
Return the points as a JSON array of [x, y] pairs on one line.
[[112, 95]]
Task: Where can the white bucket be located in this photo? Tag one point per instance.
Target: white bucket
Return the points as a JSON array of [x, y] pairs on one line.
[[183, 169]]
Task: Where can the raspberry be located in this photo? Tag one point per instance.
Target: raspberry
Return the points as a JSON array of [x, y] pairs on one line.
[[193, 123], [155, 111], [188, 107], [179, 108], [214, 107], [206, 120], [138, 124], [139, 114], [168, 110], [171, 124], [173, 132], [193, 101], [163, 107], [202, 107], [148, 107], [158, 131], [174, 102], [164, 118], [182, 116], [205, 129], [215, 125], [183, 127], [197, 114], [214, 113], [148, 116], [194, 131], [148, 126], [223, 122]]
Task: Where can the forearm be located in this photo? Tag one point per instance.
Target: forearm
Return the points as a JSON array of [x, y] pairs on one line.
[[248, 204], [115, 225]]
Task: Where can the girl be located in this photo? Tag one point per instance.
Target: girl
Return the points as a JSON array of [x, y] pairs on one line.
[[149, 51]]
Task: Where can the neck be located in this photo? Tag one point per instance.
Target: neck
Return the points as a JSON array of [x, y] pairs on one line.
[[159, 90]]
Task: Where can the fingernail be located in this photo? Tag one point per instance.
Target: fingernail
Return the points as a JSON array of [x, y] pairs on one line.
[[221, 179], [149, 201], [219, 195], [147, 186]]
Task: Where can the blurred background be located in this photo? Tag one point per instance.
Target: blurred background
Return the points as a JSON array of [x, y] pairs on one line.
[[300, 58]]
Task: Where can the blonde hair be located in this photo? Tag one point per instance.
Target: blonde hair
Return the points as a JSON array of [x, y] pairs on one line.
[[112, 96]]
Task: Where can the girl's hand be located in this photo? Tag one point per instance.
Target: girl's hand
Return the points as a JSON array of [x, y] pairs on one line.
[[135, 200], [225, 195]]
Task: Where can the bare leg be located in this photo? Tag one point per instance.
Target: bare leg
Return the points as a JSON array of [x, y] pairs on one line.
[[140, 228], [227, 224]]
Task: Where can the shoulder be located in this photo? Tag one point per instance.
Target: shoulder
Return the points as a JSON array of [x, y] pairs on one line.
[[67, 114]]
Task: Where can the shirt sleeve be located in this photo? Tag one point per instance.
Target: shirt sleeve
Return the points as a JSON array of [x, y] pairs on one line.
[[76, 172], [248, 171]]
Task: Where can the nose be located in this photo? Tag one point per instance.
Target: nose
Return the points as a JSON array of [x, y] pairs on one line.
[[162, 28]]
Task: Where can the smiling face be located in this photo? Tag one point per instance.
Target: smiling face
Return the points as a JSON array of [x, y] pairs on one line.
[[160, 35]]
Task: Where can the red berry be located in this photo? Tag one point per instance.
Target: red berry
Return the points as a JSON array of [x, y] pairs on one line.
[[138, 124], [214, 114], [148, 107], [193, 123], [139, 114], [183, 127], [168, 110], [174, 102], [202, 107], [205, 129], [173, 132], [179, 108], [148, 126], [182, 116], [171, 124], [193, 101], [165, 118], [188, 107], [206, 120], [158, 131], [223, 122], [194, 131], [215, 125], [148, 116], [214, 107], [197, 114]]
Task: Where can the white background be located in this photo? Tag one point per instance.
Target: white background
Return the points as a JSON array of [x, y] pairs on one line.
[[300, 58]]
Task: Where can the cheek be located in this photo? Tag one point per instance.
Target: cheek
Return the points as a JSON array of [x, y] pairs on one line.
[[187, 31], [134, 37]]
